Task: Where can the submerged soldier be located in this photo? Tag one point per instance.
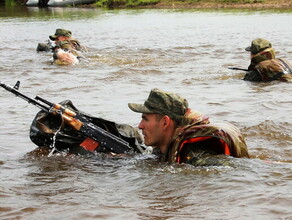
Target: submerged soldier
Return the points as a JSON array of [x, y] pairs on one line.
[[63, 38], [183, 135], [264, 65], [67, 49]]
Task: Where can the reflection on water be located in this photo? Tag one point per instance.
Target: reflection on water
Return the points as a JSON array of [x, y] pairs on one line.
[[46, 12], [131, 52]]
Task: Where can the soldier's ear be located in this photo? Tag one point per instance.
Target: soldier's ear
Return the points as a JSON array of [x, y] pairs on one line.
[[166, 121]]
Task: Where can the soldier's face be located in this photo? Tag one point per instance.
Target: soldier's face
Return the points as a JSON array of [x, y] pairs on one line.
[[151, 127], [61, 38]]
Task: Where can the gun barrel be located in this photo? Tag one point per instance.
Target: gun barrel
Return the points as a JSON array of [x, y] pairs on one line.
[[44, 101], [26, 98], [237, 68]]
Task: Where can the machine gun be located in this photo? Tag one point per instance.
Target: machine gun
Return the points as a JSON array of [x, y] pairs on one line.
[[75, 120]]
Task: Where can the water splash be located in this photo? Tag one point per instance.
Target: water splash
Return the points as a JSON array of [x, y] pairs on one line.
[[53, 145]]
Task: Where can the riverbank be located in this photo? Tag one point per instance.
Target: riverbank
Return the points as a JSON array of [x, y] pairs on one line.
[[188, 4], [285, 4], [195, 4]]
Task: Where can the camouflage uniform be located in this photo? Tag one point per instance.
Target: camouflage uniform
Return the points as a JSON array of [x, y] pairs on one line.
[[198, 140], [73, 43], [264, 66], [67, 46], [70, 45], [194, 132]]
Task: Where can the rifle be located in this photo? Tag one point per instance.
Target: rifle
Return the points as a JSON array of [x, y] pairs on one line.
[[236, 68], [76, 121]]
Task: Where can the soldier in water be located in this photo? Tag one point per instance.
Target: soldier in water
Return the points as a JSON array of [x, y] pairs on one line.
[[67, 50], [264, 65], [182, 135]]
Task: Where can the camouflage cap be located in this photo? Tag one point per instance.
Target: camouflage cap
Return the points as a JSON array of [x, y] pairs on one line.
[[258, 45], [164, 103], [61, 32]]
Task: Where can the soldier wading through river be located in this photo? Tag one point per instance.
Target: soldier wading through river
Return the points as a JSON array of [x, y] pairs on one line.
[[264, 65], [67, 50], [185, 136]]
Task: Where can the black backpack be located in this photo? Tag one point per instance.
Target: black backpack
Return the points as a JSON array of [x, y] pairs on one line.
[[48, 130]]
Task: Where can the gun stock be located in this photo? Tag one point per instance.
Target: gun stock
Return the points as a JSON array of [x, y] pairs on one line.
[[76, 121]]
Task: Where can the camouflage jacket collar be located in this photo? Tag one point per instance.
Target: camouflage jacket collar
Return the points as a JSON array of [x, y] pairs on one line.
[[266, 54]]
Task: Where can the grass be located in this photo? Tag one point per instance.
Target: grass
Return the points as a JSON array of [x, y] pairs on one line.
[[10, 2], [124, 3], [111, 4], [285, 4]]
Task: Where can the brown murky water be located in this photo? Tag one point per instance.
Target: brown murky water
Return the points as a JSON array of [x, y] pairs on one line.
[[131, 52]]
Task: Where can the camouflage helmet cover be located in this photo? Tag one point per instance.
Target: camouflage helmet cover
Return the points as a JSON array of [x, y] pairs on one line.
[[258, 45], [165, 103], [61, 32]]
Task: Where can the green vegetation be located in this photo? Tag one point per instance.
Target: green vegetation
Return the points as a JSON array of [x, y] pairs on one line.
[[10, 2], [124, 3], [111, 4], [214, 2], [241, 1], [187, 3], [219, 1]]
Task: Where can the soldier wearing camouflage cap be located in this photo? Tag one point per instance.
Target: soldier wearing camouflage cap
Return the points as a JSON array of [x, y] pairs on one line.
[[68, 45], [264, 65], [60, 33], [179, 133], [258, 45]]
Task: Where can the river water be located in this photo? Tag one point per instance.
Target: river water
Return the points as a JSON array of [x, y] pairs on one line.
[[131, 52]]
